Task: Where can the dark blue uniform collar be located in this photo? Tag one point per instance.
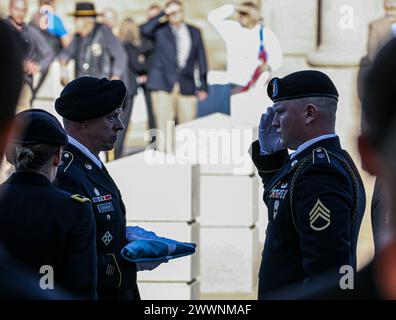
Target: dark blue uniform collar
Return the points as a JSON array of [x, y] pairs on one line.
[[85, 161], [331, 144], [94, 173], [29, 178]]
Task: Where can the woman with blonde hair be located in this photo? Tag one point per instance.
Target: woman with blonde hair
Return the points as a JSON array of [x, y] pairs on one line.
[[48, 230], [139, 50]]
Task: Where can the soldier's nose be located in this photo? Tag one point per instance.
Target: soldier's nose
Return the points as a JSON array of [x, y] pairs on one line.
[[119, 126]]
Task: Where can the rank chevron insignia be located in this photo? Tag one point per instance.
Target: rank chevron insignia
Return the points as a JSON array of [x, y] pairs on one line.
[[319, 217]]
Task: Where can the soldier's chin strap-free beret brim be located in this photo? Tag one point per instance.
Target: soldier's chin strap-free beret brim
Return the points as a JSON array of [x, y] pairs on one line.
[[302, 84], [301, 96], [96, 103], [90, 109]]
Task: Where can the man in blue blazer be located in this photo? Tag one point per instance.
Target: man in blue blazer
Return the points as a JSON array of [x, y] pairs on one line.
[[178, 71]]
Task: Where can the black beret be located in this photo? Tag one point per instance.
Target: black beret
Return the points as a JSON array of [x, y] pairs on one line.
[[36, 126], [89, 98], [302, 84]]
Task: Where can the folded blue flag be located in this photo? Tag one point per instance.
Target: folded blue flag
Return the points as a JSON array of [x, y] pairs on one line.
[[146, 246]]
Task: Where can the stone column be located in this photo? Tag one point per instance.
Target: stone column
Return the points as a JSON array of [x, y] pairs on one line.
[[294, 23], [344, 27]]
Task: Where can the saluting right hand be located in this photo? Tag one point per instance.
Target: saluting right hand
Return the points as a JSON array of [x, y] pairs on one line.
[[270, 141]]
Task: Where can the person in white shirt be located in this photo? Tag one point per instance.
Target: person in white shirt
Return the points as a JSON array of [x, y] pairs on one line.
[[245, 40]]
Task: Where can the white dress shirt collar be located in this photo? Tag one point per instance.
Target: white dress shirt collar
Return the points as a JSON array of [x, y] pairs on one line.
[[183, 44], [85, 151], [393, 27], [308, 143]]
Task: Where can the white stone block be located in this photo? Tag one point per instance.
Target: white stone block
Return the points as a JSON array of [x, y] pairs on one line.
[[228, 200], [344, 30], [229, 260], [184, 269], [52, 87], [249, 106], [155, 187], [169, 290], [293, 22], [219, 143]]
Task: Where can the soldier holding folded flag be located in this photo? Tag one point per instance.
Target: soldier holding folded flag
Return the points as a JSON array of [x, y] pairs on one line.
[[91, 110]]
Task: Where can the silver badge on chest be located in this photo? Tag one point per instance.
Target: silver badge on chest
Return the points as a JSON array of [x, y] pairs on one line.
[[96, 191], [275, 211], [107, 237]]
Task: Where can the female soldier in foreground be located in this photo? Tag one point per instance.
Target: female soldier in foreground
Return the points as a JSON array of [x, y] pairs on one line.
[[50, 231]]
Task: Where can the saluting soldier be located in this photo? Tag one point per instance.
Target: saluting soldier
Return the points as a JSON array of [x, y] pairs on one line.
[[40, 225], [91, 110], [315, 196]]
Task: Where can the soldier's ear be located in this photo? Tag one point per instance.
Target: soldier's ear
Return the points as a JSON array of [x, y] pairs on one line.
[[57, 158], [311, 113], [368, 155]]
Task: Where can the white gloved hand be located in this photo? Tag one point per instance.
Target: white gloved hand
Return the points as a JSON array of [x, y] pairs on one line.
[[270, 141], [148, 266]]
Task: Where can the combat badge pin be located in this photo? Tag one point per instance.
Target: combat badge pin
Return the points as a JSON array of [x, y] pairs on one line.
[[276, 207], [107, 237]]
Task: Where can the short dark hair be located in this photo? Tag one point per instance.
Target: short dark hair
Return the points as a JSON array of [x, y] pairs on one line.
[[11, 71], [154, 6], [250, 4], [379, 96]]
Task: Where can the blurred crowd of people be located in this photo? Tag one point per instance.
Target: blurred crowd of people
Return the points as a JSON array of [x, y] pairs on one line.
[[165, 56]]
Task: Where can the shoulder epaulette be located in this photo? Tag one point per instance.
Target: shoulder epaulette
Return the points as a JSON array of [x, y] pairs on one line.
[[79, 198], [67, 159], [320, 155]]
